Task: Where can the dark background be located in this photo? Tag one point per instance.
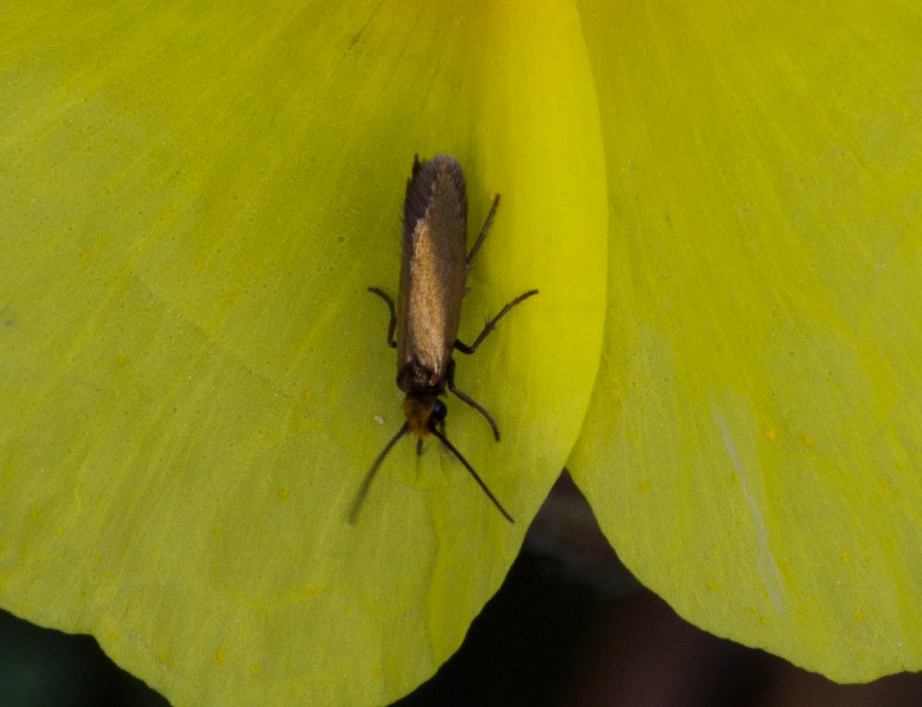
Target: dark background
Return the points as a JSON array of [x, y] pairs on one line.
[[570, 626]]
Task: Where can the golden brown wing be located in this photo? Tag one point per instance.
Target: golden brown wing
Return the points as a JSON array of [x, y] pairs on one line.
[[433, 268]]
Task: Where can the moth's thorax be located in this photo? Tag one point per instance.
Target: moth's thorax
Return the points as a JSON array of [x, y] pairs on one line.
[[413, 377]]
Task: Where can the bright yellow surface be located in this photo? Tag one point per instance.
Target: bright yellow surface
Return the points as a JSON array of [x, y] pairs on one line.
[[194, 378], [754, 445]]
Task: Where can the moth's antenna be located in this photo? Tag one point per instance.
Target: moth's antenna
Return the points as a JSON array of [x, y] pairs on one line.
[[451, 448], [369, 477]]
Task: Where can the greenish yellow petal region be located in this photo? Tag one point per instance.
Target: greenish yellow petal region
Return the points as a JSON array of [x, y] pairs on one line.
[[754, 444], [194, 377]]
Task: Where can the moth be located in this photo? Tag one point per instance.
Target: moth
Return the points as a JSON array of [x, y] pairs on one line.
[[434, 267]]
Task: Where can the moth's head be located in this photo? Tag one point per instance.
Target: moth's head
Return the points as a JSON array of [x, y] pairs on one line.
[[422, 412]]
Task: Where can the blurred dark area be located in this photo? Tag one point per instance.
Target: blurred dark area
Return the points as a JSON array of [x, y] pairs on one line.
[[44, 668], [570, 627]]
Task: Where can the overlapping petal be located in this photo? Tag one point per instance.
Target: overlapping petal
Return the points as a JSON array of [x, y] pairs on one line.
[[753, 446], [195, 379]]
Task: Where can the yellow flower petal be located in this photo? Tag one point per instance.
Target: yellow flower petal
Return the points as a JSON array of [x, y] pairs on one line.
[[752, 449], [195, 202]]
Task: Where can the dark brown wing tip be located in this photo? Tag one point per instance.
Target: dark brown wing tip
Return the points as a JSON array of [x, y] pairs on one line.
[[420, 187]]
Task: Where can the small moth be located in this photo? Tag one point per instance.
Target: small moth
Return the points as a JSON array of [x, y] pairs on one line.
[[433, 271]]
